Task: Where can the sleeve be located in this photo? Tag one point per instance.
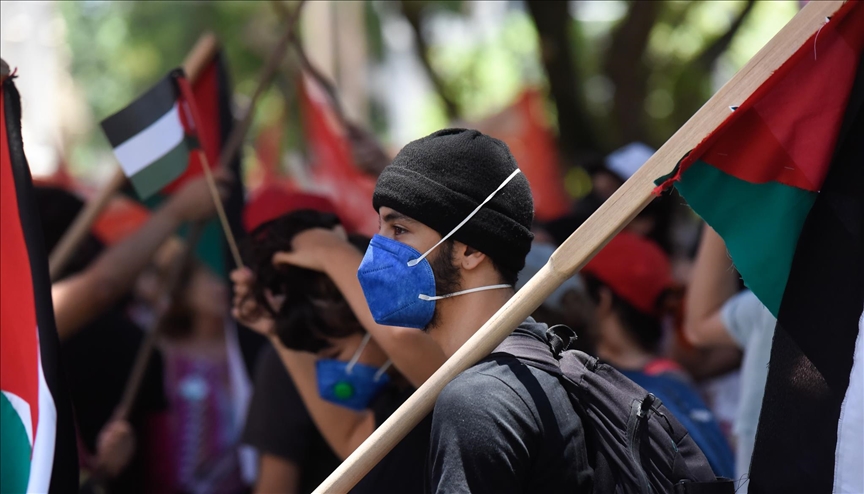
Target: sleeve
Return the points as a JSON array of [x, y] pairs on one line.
[[743, 314], [277, 422], [481, 430]]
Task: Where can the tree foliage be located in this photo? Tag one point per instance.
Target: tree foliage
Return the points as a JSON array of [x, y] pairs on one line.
[[615, 71]]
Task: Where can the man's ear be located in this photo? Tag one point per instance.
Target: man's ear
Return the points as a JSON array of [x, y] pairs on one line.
[[467, 257]]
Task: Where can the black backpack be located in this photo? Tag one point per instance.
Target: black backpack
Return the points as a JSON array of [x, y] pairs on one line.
[[634, 442]]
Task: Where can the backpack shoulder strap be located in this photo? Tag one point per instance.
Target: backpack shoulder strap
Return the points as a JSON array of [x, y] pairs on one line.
[[530, 351]]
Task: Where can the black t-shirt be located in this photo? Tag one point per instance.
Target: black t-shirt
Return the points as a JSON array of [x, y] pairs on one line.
[[97, 362], [278, 424], [403, 470], [502, 426]]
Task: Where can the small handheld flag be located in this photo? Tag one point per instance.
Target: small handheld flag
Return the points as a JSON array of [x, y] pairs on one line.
[[152, 137]]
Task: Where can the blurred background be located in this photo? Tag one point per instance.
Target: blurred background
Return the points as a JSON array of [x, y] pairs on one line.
[[583, 92], [601, 74]]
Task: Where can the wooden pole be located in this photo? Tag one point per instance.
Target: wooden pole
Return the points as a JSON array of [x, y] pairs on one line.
[[220, 209], [276, 56], [198, 58], [235, 139], [174, 289], [577, 250]]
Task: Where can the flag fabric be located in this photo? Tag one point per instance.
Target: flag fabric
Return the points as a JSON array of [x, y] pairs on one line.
[[150, 137], [37, 436], [333, 167], [782, 181]]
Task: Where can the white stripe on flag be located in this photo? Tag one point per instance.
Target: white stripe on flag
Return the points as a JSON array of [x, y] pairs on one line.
[[22, 408], [849, 455], [150, 144], [42, 460]]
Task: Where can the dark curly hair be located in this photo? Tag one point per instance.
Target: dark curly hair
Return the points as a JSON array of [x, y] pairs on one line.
[[313, 310]]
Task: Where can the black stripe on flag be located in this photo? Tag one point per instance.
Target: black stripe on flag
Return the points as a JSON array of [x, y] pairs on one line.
[[64, 475], [812, 353], [141, 113]]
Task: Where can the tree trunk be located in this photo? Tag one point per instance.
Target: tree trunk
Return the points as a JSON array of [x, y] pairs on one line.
[[412, 12], [625, 66], [576, 136]]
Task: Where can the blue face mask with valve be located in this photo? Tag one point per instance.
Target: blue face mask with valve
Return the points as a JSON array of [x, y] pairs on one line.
[[398, 281], [350, 384]]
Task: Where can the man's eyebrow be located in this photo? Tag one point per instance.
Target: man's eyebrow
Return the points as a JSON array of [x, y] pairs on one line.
[[394, 216]]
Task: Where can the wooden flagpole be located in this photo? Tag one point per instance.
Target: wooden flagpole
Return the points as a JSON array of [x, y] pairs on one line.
[[173, 287], [200, 55], [577, 250], [235, 139]]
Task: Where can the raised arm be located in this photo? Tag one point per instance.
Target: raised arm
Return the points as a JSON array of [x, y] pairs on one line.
[[414, 353], [83, 296], [713, 282], [342, 428]]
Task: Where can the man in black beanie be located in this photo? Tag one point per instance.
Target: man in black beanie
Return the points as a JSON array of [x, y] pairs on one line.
[[455, 215]]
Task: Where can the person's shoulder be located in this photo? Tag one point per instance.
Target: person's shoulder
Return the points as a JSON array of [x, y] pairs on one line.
[[483, 384]]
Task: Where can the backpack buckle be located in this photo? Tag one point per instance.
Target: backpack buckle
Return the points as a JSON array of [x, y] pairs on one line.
[[560, 338]]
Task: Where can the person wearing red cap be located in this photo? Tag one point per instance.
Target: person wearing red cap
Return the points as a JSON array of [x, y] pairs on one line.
[[631, 284]]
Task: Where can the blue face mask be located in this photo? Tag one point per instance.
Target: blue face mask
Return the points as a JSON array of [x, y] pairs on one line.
[[398, 281], [350, 384]]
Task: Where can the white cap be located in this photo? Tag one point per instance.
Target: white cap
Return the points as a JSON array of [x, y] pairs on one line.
[[626, 160]]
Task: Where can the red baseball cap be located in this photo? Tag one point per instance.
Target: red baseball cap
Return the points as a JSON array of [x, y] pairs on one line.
[[635, 268], [273, 201]]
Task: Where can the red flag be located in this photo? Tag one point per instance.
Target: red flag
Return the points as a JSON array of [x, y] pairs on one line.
[[523, 127], [37, 450], [334, 169]]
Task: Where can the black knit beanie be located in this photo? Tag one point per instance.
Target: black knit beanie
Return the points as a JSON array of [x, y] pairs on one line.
[[439, 179]]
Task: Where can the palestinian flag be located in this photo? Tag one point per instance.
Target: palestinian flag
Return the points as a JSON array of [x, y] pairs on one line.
[[150, 137], [782, 181], [37, 436]]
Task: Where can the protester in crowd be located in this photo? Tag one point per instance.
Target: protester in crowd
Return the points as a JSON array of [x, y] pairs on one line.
[[631, 283], [201, 435], [336, 367], [499, 426], [293, 456], [81, 296], [718, 315], [96, 360]]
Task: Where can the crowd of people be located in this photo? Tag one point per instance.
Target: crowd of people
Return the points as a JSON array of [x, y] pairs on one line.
[[351, 326]]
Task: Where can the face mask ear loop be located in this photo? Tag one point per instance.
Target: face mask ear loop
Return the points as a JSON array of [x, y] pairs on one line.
[[413, 262], [357, 354], [423, 296], [382, 370]]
